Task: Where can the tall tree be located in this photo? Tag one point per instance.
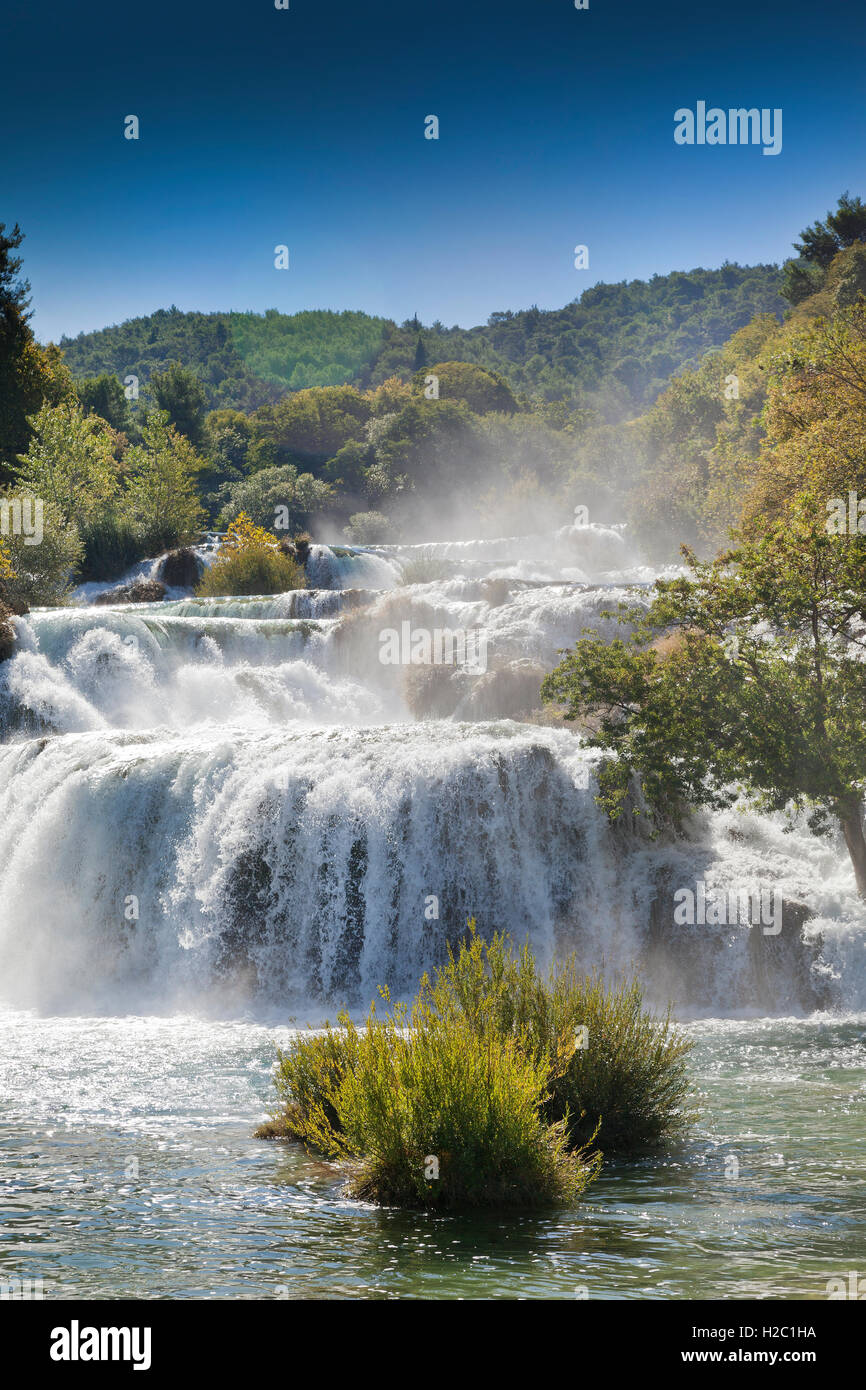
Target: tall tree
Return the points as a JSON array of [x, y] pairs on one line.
[[162, 484], [70, 463], [181, 395], [29, 374], [823, 240]]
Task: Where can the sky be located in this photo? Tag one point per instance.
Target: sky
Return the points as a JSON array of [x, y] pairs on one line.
[[305, 128]]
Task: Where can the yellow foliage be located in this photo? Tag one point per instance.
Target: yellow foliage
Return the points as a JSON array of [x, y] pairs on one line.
[[244, 534]]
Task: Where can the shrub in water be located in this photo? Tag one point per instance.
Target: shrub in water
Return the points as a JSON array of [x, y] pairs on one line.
[[429, 1112], [112, 545], [308, 1080], [491, 1087], [250, 562], [612, 1062]]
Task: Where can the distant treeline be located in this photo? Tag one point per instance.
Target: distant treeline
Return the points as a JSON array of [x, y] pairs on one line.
[[613, 349]]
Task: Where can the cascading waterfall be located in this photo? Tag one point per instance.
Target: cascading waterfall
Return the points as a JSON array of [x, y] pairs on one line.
[[233, 803]]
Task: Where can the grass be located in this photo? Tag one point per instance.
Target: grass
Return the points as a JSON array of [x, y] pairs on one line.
[[490, 1088]]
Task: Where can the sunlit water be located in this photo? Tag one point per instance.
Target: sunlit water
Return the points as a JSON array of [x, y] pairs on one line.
[[129, 1170]]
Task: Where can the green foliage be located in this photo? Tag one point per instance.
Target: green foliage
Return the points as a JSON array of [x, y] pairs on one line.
[[502, 1075], [425, 565], [316, 423], [615, 347], [308, 1080], [179, 393], [112, 544], [19, 395], [70, 462], [479, 388], [413, 1087], [823, 240], [464, 1097], [312, 348], [693, 454], [251, 561], [367, 528], [203, 342], [258, 571], [277, 498], [818, 247], [41, 574], [242, 360], [30, 375], [161, 492], [104, 396], [614, 1068], [427, 445], [760, 685]]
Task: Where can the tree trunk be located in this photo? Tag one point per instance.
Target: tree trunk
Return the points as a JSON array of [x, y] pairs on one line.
[[851, 821]]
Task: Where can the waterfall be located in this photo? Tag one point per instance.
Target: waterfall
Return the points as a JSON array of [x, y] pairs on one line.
[[228, 804]]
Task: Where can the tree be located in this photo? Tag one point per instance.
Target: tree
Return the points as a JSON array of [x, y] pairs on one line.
[[29, 374], [251, 561], [279, 498], [181, 395], [420, 355], [71, 463], [162, 484], [760, 687], [818, 246], [15, 339], [315, 423], [104, 396], [368, 528], [481, 390], [819, 243], [38, 574], [814, 419]]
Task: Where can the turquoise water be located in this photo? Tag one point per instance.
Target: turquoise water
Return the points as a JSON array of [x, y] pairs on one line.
[[128, 1170]]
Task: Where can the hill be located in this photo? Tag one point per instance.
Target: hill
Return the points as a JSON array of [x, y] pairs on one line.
[[614, 348]]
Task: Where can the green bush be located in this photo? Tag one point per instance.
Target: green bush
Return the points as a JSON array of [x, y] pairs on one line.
[[612, 1063], [368, 528], [308, 1078], [430, 1112], [501, 1076], [252, 570], [112, 545]]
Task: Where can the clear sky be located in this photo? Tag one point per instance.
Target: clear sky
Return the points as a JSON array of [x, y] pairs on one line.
[[306, 127]]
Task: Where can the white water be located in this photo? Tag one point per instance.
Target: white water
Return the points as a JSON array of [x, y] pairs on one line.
[[230, 804]]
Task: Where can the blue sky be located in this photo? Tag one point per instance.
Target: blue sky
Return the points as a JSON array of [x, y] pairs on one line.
[[306, 127]]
